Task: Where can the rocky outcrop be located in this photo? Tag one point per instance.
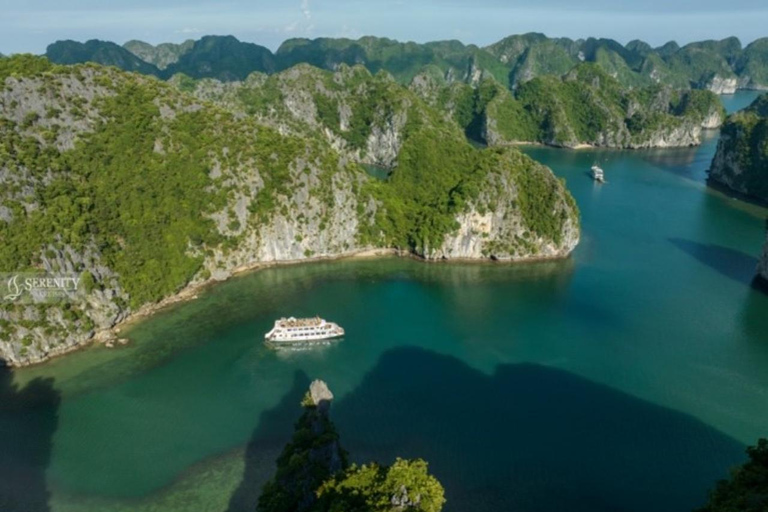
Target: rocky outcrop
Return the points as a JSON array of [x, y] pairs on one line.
[[585, 107], [283, 180], [741, 160], [720, 85], [496, 225], [313, 456], [318, 218], [162, 55]]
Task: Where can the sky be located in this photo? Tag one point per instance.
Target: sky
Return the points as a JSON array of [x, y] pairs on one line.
[[30, 25]]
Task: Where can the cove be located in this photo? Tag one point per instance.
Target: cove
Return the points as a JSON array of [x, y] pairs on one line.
[[628, 377]]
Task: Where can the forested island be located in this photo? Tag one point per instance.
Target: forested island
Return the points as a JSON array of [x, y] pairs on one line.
[[523, 89], [151, 182], [741, 161], [147, 189]]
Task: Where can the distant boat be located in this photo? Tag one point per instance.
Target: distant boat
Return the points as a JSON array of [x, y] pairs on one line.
[[288, 331], [598, 174]]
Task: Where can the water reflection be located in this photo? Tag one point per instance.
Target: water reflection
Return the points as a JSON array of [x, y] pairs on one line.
[[729, 262], [28, 421], [689, 162], [531, 437], [755, 311]]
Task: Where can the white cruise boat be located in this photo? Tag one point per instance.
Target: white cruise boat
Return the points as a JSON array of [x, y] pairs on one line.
[[292, 330], [598, 174]]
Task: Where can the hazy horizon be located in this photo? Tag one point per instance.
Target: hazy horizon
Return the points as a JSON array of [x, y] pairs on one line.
[[34, 25]]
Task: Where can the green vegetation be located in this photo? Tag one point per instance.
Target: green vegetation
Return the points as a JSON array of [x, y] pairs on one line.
[[741, 161], [374, 488], [311, 457], [402, 60], [146, 210], [751, 64], [434, 178], [511, 62], [221, 57], [99, 52], [589, 106], [585, 106], [747, 488], [314, 475], [436, 175], [144, 186], [161, 55], [23, 65]]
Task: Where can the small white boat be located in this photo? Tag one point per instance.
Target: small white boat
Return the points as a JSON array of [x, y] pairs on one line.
[[598, 174], [290, 331]]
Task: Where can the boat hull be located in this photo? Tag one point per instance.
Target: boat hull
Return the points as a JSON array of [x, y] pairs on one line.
[[303, 344]]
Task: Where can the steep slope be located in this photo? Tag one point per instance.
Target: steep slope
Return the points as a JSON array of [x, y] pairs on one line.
[[372, 119], [99, 52], [403, 61], [160, 56], [741, 160], [314, 475], [707, 65], [752, 65], [720, 66], [224, 58], [586, 106], [143, 190]]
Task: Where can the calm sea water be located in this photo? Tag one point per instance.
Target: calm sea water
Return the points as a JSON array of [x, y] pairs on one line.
[[629, 377]]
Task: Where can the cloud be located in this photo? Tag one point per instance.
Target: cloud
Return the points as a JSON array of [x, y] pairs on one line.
[[303, 24], [188, 30]]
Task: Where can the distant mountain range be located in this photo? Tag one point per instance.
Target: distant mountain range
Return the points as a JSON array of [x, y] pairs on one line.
[[720, 66]]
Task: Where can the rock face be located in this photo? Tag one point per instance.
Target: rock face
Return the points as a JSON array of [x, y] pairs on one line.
[[242, 174], [587, 106], [319, 215], [719, 66], [497, 226], [721, 85], [619, 118], [312, 457], [319, 393], [162, 55], [741, 160]]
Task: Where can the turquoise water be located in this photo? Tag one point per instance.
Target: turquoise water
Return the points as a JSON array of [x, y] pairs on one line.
[[738, 101], [629, 377], [377, 171]]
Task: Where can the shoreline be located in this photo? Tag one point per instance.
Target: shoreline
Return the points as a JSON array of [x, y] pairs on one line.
[[730, 193], [190, 292]]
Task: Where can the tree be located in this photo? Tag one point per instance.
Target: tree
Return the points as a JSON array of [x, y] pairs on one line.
[[313, 474], [405, 485], [747, 488]]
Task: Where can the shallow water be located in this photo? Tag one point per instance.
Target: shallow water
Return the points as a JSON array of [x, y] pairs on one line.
[[628, 377]]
